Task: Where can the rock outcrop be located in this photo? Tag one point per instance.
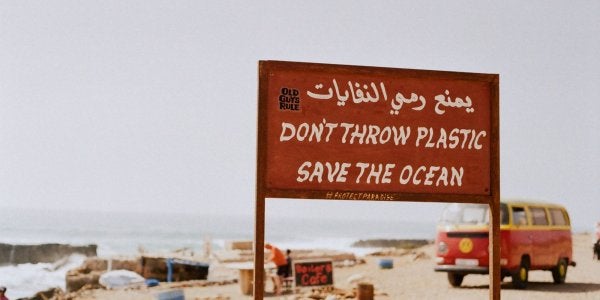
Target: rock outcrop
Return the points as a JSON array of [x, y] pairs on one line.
[[43, 253], [88, 274]]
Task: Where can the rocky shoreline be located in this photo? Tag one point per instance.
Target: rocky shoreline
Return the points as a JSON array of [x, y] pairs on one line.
[[151, 266], [41, 253]]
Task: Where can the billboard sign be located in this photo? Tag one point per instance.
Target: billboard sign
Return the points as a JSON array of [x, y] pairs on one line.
[[365, 133]]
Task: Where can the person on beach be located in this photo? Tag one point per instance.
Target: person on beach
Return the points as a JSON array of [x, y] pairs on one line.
[[2, 292], [279, 259]]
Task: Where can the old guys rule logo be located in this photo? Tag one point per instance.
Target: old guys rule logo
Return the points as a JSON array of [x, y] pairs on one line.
[[384, 133], [289, 99]]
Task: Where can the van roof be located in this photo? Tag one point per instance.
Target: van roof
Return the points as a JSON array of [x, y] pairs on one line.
[[530, 202]]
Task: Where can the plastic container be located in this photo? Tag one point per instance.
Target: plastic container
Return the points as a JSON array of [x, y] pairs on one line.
[[152, 282], [386, 263]]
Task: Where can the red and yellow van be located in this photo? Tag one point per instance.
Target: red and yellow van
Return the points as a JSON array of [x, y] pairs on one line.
[[533, 236]]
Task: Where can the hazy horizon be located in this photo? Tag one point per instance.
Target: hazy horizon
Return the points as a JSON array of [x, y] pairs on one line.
[[152, 106]]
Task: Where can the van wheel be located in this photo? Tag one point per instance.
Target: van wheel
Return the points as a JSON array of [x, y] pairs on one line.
[[559, 273], [454, 279], [521, 277]]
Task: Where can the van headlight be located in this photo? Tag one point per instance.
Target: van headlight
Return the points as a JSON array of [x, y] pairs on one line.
[[442, 248]]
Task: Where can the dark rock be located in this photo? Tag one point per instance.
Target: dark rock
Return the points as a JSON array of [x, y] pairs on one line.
[[45, 295], [43, 253], [75, 281]]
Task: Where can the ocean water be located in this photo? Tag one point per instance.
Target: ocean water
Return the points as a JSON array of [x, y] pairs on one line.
[[25, 280], [125, 233]]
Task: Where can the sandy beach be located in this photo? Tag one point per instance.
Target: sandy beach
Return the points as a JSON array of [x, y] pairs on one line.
[[412, 277]]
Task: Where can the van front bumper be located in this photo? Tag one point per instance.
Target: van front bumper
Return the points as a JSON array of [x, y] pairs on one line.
[[462, 269]]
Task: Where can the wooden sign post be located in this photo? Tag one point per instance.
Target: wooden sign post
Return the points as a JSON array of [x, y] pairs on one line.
[[337, 132]]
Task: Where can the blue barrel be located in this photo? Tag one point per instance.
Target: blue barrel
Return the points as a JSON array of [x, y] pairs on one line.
[[152, 282], [386, 263]]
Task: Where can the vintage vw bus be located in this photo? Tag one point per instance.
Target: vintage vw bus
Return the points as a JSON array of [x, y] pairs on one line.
[[533, 236]]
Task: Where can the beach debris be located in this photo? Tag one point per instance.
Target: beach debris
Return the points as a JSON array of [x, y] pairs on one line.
[[420, 255], [356, 278], [327, 293], [349, 263], [90, 270], [386, 263], [152, 282], [390, 252], [120, 279]]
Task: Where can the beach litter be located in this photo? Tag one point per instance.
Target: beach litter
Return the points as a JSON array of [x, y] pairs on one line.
[[327, 293], [386, 263], [152, 282], [420, 255], [356, 278], [121, 279]]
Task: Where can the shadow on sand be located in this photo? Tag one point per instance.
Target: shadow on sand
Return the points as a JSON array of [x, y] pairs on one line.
[[568, 287]]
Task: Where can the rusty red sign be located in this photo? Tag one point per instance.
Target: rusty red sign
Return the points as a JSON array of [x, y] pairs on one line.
[[367, 133]]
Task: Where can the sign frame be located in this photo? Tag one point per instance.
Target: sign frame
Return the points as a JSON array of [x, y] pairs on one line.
[[263, 191]]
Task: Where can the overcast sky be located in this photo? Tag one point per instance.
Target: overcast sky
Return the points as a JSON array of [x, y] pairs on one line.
[[128, 105]]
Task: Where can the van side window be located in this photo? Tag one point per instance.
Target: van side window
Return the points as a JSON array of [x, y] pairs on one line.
[[503, 214], [558, 217], [538, 216], [518, 216]]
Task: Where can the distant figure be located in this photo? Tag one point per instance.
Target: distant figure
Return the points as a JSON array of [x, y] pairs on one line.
[[279, 259], [2, 292], [288, 259]]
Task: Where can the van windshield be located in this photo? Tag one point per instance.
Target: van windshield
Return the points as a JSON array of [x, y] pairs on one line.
[[470, 214]]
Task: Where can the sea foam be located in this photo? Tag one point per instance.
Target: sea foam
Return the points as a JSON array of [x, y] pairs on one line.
[[25, 280]]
